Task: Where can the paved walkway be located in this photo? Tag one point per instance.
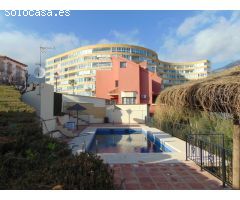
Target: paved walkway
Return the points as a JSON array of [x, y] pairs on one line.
[[160, 176]]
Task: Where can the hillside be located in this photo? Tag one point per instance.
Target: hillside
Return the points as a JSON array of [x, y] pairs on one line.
[[31, 160], [13, 112], [228, 66]]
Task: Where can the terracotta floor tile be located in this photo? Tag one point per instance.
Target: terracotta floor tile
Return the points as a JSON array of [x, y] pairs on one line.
[[141, 174], [148, 186], [181, 186], [180, 176], [131, 186], [145, 179], [159, 177], [197, 186], [164, 186]]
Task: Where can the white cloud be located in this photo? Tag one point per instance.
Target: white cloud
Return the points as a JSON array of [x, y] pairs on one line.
[[104, 41], [128, 37], [5, 24], [190, 24], [25, 46], [235, 15], [218, 41], [1, 19]]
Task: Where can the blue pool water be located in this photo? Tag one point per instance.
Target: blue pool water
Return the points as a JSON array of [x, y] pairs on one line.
[[125, 141]]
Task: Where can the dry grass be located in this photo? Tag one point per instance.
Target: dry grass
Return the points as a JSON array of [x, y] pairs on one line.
[[217, 93]]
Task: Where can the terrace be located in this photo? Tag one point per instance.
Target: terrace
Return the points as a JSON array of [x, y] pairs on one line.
[[151, 159], [148, 170]]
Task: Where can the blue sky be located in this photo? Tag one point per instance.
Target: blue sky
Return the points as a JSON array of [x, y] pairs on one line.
[[174, 35]]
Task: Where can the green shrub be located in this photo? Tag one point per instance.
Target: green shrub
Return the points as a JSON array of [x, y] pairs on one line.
[[180, 123], [85, 171], [31, 160]]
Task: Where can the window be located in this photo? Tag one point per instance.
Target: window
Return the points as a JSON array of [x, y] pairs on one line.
[[56, 60], [87, 79], [123, 64], [129, 100], [104, 49], [116, 83], [101, 64], [64, 58], [120, 49]]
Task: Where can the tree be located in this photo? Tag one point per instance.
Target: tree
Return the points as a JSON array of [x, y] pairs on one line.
[[72, 82]]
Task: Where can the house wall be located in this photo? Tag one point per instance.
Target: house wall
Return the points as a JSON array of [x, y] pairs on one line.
[[42, 100], [134, 78], [133, 114], [12, 71], [47, 106], [128, 78], [156, 83], [145, 88], [95, 107], [104, 83]]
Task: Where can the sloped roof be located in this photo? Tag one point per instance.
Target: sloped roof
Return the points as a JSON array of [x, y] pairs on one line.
[[6, 57]]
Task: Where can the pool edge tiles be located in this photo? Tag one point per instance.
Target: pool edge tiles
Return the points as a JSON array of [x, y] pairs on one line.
[[85, 139], [177, 145], [152, 137], [163, 147]]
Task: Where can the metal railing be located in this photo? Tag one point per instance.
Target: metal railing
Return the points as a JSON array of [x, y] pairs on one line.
[[206, 148], [181, 130], [212, 157]]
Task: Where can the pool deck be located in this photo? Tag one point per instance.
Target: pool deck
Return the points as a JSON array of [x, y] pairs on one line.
[[164, 176], [85, 137], [151, 171]]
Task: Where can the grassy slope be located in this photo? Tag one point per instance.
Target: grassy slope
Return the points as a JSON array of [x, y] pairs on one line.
[[10, 101], [14, 113], [31, 160]]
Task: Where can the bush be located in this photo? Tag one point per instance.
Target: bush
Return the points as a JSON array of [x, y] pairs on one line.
[[84, 171], [179, 123], [31, 160]]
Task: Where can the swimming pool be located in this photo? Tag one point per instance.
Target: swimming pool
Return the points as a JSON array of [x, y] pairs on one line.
[[126, 140]]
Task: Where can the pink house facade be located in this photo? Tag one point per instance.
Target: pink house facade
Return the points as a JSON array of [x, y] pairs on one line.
[[128, 83], [12, 71]]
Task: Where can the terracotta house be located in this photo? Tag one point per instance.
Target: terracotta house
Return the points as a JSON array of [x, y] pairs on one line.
[[128, 83]]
